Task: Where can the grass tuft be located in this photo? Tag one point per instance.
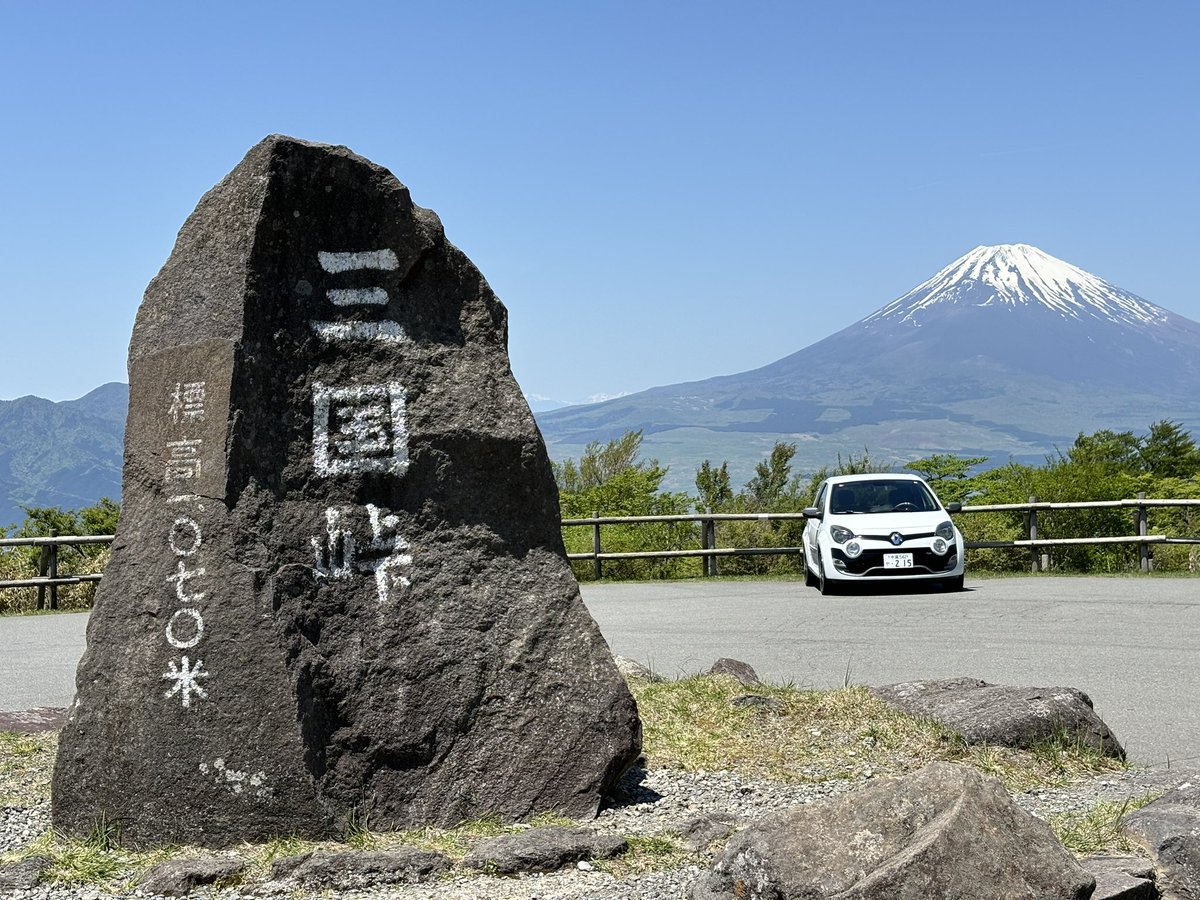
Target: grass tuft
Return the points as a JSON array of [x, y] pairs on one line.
[[1098, 829]]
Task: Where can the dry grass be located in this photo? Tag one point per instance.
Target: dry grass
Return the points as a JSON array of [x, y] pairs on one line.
[[690, 724], [1098, 830], [814, 736], [26, 764]]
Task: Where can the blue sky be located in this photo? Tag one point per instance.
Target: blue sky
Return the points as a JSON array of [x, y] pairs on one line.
[[659, 192]]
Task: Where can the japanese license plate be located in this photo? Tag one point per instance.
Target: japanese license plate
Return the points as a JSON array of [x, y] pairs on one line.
[[897, 560]]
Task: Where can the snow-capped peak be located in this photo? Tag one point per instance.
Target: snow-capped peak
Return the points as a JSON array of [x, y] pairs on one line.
[[1021, 275]]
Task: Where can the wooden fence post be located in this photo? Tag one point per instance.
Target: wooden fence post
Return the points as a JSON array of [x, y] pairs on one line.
[[597, 567], [1143, 529], [54, 569], [43, 569], [708, 541], [1033, 550]]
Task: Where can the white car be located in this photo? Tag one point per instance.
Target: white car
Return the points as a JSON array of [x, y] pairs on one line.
[[879, 527]]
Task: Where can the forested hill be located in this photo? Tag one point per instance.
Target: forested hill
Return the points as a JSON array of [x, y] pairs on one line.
[[65, 454]]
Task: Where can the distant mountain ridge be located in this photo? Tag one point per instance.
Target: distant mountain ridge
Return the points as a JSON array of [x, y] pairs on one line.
[[1005, 352], [65, 454]]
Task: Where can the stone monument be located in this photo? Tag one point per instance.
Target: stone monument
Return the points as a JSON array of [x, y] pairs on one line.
[[338, 591]]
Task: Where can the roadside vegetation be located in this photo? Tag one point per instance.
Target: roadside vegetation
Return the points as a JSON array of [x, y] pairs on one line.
[[19, 563], [692, 724], [614, 480]]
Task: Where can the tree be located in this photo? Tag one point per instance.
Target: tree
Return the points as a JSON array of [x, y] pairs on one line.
[[600, 463], [1113, 450], [947, 473], [713, 486], [771, 476], [1169, 452]]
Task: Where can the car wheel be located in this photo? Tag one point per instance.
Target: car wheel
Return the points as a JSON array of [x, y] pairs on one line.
[[810, 580], [826, 585], [953, 584]]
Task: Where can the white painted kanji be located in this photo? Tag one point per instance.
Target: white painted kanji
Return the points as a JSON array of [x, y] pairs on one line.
[[385, 330], [359, 429], [337, 554], [362, 259], [185, 677], [187, 402], [183, 459]]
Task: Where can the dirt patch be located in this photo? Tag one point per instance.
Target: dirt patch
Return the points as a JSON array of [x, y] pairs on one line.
[[32, 721]]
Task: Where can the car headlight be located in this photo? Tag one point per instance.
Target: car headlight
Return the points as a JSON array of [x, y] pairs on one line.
[[839, 534], [945, 531], [853, 550], [939, 546]]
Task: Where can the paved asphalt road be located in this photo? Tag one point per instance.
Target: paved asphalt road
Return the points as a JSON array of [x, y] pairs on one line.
[[1130, 643]]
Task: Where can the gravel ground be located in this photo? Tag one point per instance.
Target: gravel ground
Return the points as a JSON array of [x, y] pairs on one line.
[[657, 801]]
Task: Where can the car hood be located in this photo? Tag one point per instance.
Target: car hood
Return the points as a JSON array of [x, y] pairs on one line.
[[886, 523]]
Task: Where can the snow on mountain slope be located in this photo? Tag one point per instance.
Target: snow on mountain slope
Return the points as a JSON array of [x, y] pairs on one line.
[[1020, 275]]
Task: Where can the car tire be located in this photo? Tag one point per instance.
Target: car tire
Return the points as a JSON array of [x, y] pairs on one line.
[[810, 580], [953, 584], [826, 586]]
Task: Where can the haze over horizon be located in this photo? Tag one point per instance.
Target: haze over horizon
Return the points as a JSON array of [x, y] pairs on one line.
[[695, 192]]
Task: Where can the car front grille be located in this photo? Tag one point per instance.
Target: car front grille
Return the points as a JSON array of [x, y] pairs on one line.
[[870, 563]]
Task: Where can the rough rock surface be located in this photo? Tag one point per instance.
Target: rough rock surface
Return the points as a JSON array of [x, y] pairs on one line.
[[1169, 828], [543, 849], [1001, 714], [23, 874], [735, 668], [338, 581], [1121, 877], [699, 832], [179, 877], [360, 868], [945, 831]]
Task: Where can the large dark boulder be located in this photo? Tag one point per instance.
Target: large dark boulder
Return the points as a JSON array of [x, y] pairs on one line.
[[945, 831], [1169, 828], [1001, 714], [339, 583]]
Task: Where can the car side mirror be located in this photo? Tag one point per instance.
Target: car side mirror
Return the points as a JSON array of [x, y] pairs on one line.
[[954, 507], [811, 512]]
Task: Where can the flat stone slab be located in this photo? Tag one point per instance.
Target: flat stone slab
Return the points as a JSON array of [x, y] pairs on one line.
[[945, 831], [1009, 716], [543, 849], [1121, 877], [179, 877], [360, 868]]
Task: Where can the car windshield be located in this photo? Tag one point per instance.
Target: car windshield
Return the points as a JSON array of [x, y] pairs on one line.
[[883, 496]]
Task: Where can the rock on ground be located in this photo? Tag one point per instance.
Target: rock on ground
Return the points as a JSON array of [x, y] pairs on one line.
[[945, 831], [1001, 714]]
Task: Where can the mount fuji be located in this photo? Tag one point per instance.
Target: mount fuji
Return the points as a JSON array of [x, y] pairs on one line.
[[1007, 352]]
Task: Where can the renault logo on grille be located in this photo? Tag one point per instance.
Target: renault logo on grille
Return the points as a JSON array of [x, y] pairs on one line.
[[896, 538]]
